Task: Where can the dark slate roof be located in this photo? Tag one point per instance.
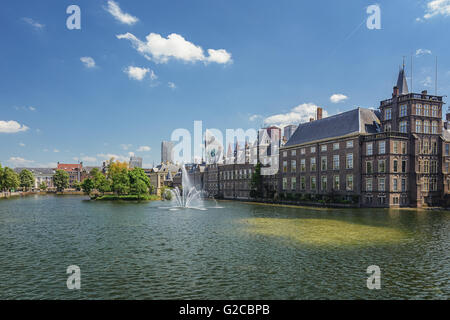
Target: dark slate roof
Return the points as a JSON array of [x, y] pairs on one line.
[[402, 84], [42, 171], [360, 120]]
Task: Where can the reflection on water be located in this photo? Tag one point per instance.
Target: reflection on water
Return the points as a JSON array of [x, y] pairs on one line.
[[325, 231], [235, 251]]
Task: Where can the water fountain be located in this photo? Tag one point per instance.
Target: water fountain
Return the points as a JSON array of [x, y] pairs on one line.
[[189, 196]]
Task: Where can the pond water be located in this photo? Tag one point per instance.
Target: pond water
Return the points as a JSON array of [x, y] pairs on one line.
[[232, 250]]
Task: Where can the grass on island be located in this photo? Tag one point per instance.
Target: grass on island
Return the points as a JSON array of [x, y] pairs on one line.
[[324, 232], [130, 197]]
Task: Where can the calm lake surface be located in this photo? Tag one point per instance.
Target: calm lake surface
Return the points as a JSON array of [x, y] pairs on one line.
[[233, 251]]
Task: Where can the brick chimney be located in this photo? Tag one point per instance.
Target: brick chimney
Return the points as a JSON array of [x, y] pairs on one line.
[[319, 113], [424, 92], [395, 92], [311, 119]]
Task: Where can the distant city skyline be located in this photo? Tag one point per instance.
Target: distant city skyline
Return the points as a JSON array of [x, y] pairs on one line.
[[137, 71]]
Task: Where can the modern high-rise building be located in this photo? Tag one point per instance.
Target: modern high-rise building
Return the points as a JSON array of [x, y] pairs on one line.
[[167, 152], [135, 162]]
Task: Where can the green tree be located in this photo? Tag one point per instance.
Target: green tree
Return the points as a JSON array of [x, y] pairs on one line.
[[257, 183], [26, 179], [102, 184], [1, 177], [43, 186], [139, 182], [10, 179], [61, 180], [87, 185], [120, 181]]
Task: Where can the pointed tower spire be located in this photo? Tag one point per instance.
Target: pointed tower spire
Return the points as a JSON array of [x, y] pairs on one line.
[[402, 84]]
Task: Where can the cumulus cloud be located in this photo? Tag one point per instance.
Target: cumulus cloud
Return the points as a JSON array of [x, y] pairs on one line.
[[22, 144], [12, 127], [136, 73], [89, 159], [88, 62], [421, 52], [143, 149], [36, 25], [436, 8], [161, 50], [338, 97], [55, 150], [114, 9], [299, 114], [126, 146]]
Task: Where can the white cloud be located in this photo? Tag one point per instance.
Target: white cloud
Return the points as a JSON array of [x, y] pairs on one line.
[[32, 108], [126, 146], [137, 73], [131, 154], [88, 62], [143, 149], [22, 144], [427, 82], [107, 156], [254, 117], [421, 52], [89, 159], [12, 127], [301, 113], [435, 8], [19, 162], [161, 50], [36, 25], [338, 97], [171, 85], [125, 18], [55, 150]]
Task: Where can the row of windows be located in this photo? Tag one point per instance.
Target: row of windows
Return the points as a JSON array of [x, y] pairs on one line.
[[323, 164], [398, 147], [429, 184], [381, 187], [428, 166], [382, 166], [421, 110], [426, 127], [236, 174], [336, 185], [323, 148], [426, 148]]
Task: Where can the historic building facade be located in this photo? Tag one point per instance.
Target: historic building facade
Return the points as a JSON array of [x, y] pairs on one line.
[[398, 156]]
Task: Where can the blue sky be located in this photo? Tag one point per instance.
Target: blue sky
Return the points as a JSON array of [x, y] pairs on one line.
[[68, 95]]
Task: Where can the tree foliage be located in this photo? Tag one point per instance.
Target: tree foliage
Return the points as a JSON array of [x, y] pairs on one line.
[[257, 190], [61, 180], [87, 185], [10, 179], [26, 179]]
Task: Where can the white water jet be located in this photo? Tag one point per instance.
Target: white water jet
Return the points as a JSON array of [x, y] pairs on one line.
[[189, 196]]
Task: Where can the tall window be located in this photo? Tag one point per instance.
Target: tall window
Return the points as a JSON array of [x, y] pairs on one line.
[[293, 153], [302, 151], [284, 166], [284, 183], [303, 183], [313, 164], [403, 184], [404, 166], [381, 166], [418, 126], [418, 109], [426, 110], [293, 166], [403, 147], [382, 147], [395, 165], [293, 183], [369, 167], [403, 126], [303, 165], [323, 164], [388, 114], [425, 184], [313, 183], [426, 127], [349, 161], [349, 144], [434, 127], [403, 110], [381, 184], [447, 149], [313, 149], [434, 111], [425, 146], [395, 146], [369, 182], [369, 147], [336, 146], [324, 183], [336, 162], [336, 183], [394, 184], [323, 148], [349, 185]]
